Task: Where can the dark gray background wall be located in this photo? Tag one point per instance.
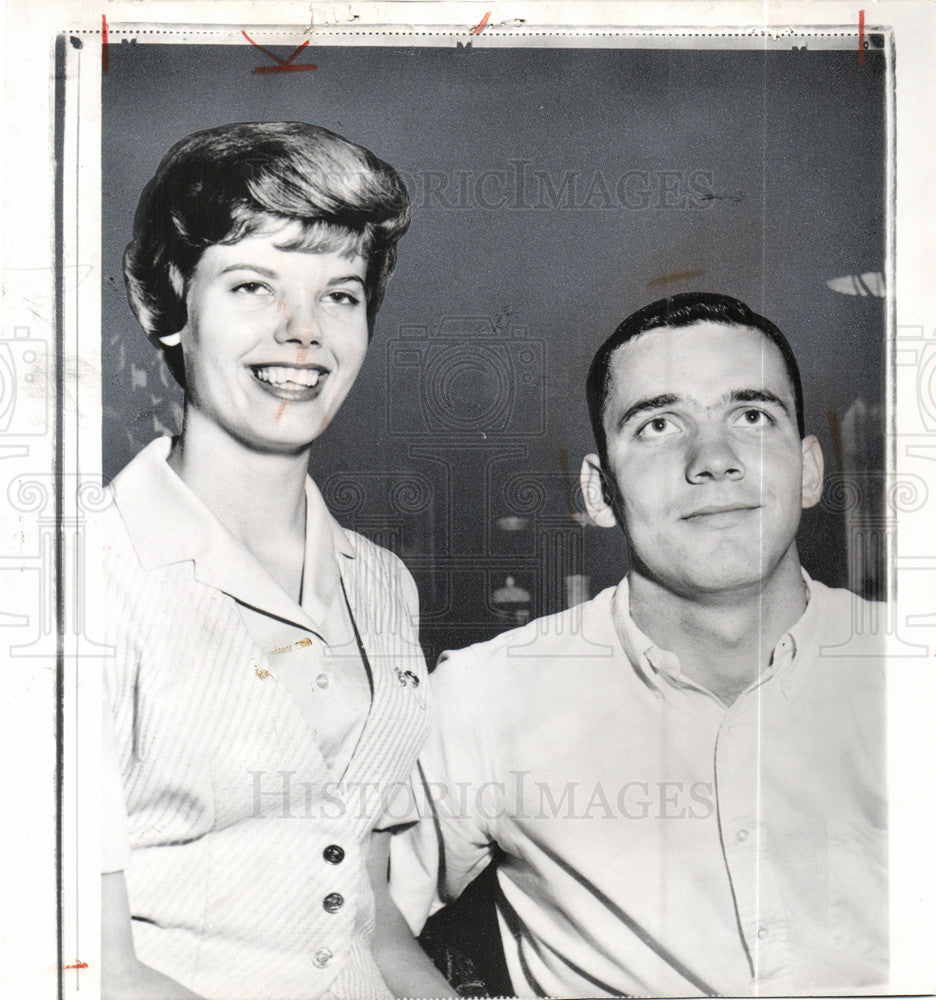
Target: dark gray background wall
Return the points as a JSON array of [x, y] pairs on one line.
[[555, 190]]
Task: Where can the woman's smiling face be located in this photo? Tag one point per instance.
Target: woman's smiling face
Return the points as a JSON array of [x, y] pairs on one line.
[[274, 338]]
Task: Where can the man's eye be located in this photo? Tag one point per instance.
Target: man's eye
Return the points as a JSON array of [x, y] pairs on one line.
[[657, 427], [753, 418]]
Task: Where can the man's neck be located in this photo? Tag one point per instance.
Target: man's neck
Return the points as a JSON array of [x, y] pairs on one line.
[[723, 640]]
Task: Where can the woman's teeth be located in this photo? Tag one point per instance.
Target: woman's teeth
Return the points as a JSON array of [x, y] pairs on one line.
[[307, 377]]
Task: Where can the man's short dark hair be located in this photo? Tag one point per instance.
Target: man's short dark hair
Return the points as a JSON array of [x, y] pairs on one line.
[[224, 183], [673, 313]]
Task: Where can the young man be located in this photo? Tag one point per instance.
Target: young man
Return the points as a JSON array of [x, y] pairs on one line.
[[684, 777]]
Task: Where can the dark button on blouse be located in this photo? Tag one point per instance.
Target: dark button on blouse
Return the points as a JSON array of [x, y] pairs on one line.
[[333, 854], [333, 902]]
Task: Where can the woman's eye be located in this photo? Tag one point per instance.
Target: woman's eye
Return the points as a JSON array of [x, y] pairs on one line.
[[251, 288], [344, 298]]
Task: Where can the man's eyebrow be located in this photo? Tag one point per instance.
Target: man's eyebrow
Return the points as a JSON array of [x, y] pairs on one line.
[[758, 396], [644, 405]]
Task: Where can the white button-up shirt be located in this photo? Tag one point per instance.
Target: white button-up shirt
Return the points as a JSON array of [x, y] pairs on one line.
[[655, 841]]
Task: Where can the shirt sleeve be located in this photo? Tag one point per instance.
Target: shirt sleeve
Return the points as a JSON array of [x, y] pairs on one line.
[[401, 805], [447, 844], [115, 851]]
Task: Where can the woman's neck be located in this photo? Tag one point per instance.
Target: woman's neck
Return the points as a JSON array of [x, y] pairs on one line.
[[259, 497]]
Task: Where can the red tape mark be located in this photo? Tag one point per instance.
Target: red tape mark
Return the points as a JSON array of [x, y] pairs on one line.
[[482, 24], [104, 43], [861, 40], [77, 965], [282, 65]]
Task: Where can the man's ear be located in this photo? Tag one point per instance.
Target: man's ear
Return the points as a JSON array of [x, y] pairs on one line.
[[813, 466], [597, 493]]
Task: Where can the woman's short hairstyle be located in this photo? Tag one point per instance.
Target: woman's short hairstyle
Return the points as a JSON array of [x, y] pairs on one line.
[[222, 184], [676, 312]]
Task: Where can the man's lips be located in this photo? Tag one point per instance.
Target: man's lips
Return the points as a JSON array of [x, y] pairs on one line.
[[720, 510]]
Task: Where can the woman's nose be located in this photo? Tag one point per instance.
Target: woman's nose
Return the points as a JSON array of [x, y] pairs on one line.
[[298, 322]]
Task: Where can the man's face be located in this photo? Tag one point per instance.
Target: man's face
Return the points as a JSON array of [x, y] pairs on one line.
[[705, 456]]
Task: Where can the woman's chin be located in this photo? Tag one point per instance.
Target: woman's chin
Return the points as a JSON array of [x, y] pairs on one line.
[[281, 440]]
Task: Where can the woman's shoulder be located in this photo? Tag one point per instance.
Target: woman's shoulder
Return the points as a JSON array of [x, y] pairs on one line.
[[140, 592], [375, 564], [362, 547]]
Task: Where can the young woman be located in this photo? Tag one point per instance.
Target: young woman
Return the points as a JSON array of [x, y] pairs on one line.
[[267, 692]]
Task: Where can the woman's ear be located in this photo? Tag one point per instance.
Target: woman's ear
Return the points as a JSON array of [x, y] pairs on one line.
[[813, 466], [596, 491], [178, 286]]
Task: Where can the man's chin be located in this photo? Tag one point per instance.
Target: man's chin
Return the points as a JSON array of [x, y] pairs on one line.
[[746, 573], [709, 581]]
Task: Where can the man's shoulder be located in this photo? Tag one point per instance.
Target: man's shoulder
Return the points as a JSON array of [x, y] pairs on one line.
[[832, 599], [840, 612], [583, 631], [847, 632]]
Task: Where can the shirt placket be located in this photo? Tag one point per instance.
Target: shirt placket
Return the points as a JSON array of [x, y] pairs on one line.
[[760, 910]]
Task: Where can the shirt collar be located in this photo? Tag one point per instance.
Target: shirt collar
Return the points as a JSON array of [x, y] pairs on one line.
[[652, 663], [802, 636], [168, 524]]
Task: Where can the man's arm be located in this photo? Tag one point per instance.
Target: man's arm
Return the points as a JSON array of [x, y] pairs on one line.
[[406, 968], [123, 975]]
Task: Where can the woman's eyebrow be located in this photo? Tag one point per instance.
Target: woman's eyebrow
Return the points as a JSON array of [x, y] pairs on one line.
[[347, 277], [650, 403], [265, 271]]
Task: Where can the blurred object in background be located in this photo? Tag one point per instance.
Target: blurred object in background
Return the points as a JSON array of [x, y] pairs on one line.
[[863, 500], [869, 283], [577, 591], [511, 603]]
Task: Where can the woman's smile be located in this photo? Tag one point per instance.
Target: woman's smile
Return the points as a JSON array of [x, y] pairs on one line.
[[294, 383], [268, 325]]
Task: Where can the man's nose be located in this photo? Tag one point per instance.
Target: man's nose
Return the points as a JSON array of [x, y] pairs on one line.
[[298, 321], [712, 457]]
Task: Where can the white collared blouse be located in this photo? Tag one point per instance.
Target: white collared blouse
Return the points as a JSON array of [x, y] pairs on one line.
[[256, 741]]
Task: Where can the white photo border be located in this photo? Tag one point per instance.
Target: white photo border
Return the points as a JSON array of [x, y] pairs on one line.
[[52, 284]]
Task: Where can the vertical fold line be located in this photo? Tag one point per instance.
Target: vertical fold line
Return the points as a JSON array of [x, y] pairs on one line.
[[57, 463]]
